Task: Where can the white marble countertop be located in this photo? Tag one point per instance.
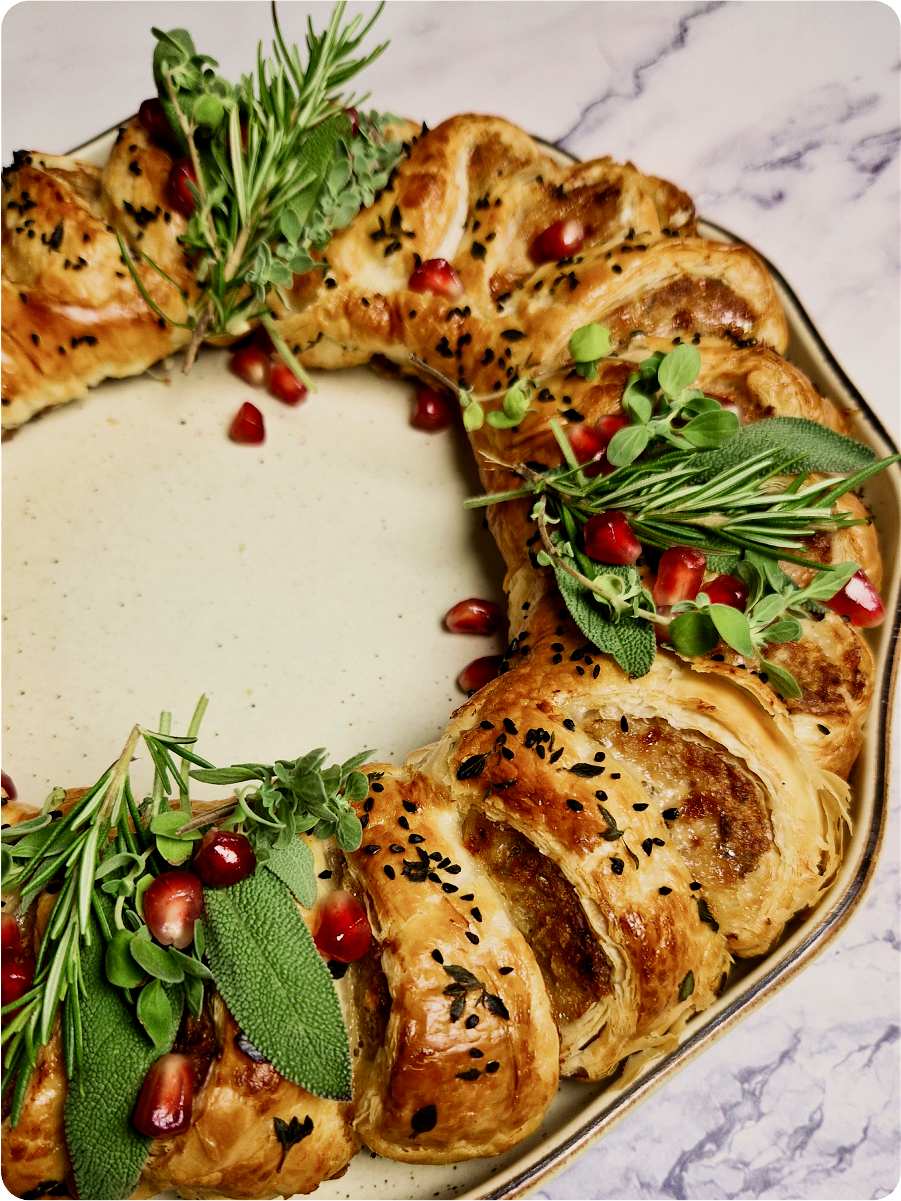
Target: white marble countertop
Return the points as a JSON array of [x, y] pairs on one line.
[[782, 121]]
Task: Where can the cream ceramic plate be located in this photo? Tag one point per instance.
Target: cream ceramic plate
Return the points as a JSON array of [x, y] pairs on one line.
[[301, 584]]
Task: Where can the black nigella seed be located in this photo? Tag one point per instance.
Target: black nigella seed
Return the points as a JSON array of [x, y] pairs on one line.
[[664, 891], [506, 752], [505, 971], [472, 1021], [476, 913], [599, 757], [601, 795], [389, 871], [372, 849], [615, 775], [475, 1053], [473, 938], [436, 857], [367, 804], [597, 670], [556, 755], [557, 659], [575, 806], [616, 866], [434, 877], [403, 823], [396, 848], [486, 725], [509, 726], [568, 723], [694, 886], [364, 820], [823, 729], [467, 896], [448, 888], [437, 956], [326, 875], [415, 838], [670, 815], [454, 869], [617, 269], [647, 846], [469, 1074], [492, 1067], [409, 806], [377, 787], [556, 646], [718, 658], [337, 969], [658, 842], [424, 1119], [639, 808], [581, 671]]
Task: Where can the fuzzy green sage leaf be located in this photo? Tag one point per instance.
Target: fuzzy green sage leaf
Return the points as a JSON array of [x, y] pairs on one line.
[[107, 1152], [293, 864], [276, 984]]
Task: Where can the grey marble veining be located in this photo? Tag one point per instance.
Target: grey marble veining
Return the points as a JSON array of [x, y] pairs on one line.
[[782, 121]]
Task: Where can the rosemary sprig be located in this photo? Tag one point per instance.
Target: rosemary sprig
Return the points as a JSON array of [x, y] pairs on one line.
[[107, 842], [278, 168]]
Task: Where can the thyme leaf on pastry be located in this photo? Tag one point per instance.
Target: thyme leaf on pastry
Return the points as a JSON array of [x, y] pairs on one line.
[[464, 982], [289, 1134], [277, 163]]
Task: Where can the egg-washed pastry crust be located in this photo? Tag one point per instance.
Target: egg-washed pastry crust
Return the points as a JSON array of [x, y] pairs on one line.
[[564, 877]]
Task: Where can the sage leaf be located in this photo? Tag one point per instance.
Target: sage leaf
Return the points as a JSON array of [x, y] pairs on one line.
[[693, 633], [276, 984], [733, 628], [107, 1152], [817, 448], [678, 369], [294, 865], [629, 640]]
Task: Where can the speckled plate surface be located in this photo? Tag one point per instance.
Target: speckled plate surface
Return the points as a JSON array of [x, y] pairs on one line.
[[301, 584]]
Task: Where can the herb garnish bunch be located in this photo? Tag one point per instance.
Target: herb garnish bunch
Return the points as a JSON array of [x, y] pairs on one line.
[[120, 994], [686, 474], [278, 164]]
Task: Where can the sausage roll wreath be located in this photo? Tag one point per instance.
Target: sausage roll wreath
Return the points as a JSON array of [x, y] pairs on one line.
[[637, 796]]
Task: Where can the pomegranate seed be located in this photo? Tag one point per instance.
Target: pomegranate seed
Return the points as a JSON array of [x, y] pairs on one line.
[[172, 904], [224, 858], [354, 117], [12, 936], [679, 575], [262, 339], [727, 590], [479, 672], [431, 412], [859, 601], [167, 1097], [438, 276], [177, 192], [9, 789], [247, 426], [559, 241], [609, 539], [589, 442], [153, 117], [16, 978], [473, 616], [341, 928], [285, 386], [252, 364]]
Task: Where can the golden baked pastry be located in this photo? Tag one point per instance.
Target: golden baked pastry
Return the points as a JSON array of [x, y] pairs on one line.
[[575, 862]]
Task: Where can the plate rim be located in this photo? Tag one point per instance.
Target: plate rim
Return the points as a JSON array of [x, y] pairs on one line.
[[515, 1183]]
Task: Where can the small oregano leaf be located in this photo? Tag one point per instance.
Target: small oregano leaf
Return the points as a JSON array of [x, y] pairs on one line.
[[156, 961], [121, 968], [733, 628], [693, 633], [781, 680], [589, 343], [711, 429], [679, 369], [276, 984], [627, 444], [155, 1012]]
